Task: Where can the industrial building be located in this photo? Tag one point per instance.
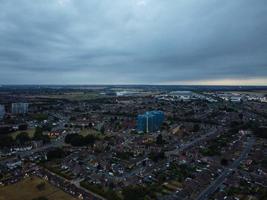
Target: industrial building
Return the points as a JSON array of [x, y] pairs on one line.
[[150, 121], [20, 108]]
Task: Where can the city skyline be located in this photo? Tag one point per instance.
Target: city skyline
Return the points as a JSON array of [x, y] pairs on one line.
[[184, 42]]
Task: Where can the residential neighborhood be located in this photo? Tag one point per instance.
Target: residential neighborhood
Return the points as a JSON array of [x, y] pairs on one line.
[[149, 144]]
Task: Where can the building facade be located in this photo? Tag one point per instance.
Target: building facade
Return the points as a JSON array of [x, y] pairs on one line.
[[2, 111], [20, 108], [150, 121]]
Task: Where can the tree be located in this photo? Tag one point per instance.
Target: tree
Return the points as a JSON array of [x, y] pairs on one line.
[[23, 138], [69, 137], [260, 132], [235, 124], [6, 141], [79, 140], [5, 129], [89, 139], [23, 127], [144, 163], [47, 127], [41, 186], [159, 140], [196, 128], [38, 133], [72, 118], [157, 156], [40, 198], [90, 125], [45, 139], [134, 192], [56, 153], [102, 130], [112, 195], [40, 117], [241, 116], [224, 162]]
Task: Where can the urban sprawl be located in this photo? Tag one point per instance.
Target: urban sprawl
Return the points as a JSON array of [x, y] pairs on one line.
[[133, 143]]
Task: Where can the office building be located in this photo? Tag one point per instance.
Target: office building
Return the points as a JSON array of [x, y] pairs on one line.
[[150, 121], [20, 108]]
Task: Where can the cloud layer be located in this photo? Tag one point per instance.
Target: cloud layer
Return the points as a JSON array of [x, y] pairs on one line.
[[133, 41]]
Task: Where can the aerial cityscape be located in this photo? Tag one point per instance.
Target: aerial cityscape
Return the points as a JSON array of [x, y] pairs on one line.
[[133, 142], [133, 100]]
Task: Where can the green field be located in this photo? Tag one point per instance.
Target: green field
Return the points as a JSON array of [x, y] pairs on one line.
[[86, 132], [29, 131], [55, 167], [72, 96], [27, 190]]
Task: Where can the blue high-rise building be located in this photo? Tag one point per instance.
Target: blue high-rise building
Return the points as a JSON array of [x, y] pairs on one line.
[[150, 121], [19, 108]]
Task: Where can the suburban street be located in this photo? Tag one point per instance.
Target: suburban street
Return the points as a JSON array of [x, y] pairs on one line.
[[205, 194], [202, 138]]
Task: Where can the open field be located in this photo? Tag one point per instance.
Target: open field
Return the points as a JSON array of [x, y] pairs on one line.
[[73, 96], [29, 131], [27, 190], [251, 92], [86, 132], [55, 167]]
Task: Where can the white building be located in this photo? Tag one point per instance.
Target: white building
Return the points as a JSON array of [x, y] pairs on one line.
[[263, 99], [235, 98], [20, 108], [182, 95], [14, 164]]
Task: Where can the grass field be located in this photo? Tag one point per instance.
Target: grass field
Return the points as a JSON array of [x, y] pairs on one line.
[[73, 96], [26, 190], [29, 131], [55, 167], [257, 92], [86, 132]]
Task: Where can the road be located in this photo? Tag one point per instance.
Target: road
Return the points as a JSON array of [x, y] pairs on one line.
[[56, 143], [205, 194], [194, 142], [76, 183], [183, 147], [177, 151]]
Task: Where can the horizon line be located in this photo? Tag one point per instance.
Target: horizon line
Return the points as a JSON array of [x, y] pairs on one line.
[[132, 84]]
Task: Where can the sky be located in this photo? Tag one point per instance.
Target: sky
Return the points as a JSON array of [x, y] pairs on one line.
[[207, 42]]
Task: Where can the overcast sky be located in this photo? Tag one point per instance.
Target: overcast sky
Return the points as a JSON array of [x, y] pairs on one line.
[[133, 42]]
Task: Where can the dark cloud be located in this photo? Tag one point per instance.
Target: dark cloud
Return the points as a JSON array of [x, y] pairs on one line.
[[135, 41]]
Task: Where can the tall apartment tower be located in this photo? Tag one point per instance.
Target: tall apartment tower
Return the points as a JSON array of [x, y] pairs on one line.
[[150, 121], [20, 108]]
